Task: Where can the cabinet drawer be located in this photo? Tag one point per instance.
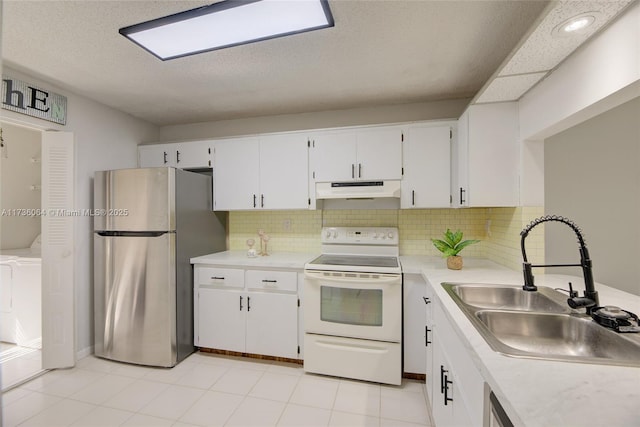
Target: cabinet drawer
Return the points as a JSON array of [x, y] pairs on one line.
[[272, 280], [224, 277]]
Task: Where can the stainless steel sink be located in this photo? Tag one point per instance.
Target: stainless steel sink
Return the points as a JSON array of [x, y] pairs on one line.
[[508, 297], [557, 336], [518, 323]]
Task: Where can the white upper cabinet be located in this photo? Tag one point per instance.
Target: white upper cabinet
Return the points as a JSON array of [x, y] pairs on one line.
[[267, 172], [236, 179], [284, 169], [426, 158], [357, 155], [486, 156], [184, 155], [380, 153]]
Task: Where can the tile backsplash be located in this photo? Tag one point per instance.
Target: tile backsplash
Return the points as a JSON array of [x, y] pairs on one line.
[[497, 228]]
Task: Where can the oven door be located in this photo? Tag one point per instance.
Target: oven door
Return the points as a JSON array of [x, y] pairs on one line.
[[355, 305]]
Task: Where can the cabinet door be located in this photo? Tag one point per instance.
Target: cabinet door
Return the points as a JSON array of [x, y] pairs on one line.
[[157, 155], [494, 155], [442, 414], [222, 319], [430, 367], [414, 324], [272, 324], [333, 156], [379, 154], [193, 155], [284, 171], [426, 161], [460, 163], [236, 174]]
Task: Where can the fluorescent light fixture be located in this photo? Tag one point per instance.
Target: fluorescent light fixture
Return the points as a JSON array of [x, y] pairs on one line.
[[228, 23]]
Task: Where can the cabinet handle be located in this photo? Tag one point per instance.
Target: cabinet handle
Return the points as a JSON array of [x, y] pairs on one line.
[[427, 300], [269, 281], [254, 200], [240, 303], [248, 303], [442, 372], [446, 390], [359, 170], [164, 157], [217, 278], [462, 200], [262, 200], [177, 156], [353, 170], [413, 197], [426, 336]]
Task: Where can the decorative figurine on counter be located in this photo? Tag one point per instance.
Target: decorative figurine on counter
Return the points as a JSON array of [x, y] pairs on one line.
[[251, 253], [264, 238]]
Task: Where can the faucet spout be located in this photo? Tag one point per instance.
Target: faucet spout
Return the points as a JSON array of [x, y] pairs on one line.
[[590, 299]]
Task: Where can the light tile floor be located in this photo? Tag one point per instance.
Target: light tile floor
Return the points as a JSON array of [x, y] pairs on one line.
[[209, 390]]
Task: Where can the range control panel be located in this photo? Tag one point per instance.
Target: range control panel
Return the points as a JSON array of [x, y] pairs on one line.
[[360, 235]]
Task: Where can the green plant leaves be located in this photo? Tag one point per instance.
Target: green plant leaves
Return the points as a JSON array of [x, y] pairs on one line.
[[460, 246], [453, 238], [452, 243]]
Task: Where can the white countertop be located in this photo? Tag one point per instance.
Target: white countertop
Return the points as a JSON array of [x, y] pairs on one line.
[[288, 260], [538, 392]]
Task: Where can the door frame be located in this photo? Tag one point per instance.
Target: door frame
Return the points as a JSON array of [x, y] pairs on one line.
[[55, 361]]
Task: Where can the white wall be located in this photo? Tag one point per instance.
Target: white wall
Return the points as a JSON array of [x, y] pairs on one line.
[[437, 110], [592, 176], [18, 173], [105, 139]]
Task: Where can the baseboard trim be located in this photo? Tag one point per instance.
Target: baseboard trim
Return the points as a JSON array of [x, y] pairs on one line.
[[250, 355]]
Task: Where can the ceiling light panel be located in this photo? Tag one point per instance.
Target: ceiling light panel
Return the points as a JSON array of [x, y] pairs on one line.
[[228, 23]]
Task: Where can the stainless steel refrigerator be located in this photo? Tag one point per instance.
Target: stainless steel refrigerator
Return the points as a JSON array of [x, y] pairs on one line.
[[148, 223]]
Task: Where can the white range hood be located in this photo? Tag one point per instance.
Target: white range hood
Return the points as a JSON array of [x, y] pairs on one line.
[[357, 190]]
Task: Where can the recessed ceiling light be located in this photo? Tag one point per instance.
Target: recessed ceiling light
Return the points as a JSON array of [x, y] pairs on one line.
[[578, 24], [575, 25], [228, 23]]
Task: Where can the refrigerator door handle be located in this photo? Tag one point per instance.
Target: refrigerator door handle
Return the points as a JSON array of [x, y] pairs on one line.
[[131, 233]]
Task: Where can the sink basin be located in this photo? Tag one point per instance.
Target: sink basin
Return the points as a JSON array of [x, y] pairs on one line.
[[557, 337], [508, 297], [540, 325]]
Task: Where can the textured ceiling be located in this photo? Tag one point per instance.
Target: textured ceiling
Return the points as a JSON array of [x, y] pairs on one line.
[[545, 47], [379, 52]]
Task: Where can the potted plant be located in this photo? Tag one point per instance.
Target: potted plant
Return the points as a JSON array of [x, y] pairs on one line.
[[451, 246]]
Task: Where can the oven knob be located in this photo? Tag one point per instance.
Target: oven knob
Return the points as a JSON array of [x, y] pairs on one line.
[[328, 234], [375, 235], [390, 235], [335, 234]]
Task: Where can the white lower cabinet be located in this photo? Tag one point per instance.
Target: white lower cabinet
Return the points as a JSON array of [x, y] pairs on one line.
[[455, 387], [414, 339], [272, 324], [221, 319], [259, 317]]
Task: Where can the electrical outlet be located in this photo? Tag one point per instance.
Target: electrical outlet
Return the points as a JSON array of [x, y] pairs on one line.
[[286, 225]]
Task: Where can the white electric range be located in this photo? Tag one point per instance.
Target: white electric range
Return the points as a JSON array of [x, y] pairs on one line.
[[353, 305]]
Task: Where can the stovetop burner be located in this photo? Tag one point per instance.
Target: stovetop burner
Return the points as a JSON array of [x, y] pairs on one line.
[[616, 318]]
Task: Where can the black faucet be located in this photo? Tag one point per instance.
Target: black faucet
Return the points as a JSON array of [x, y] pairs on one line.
[[590, 299]]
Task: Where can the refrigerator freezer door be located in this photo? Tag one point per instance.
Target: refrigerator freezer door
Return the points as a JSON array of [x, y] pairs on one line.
[[135, 199], [135, 299]]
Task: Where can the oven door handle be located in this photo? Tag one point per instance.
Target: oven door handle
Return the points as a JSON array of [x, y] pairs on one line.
[[382, 280]]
